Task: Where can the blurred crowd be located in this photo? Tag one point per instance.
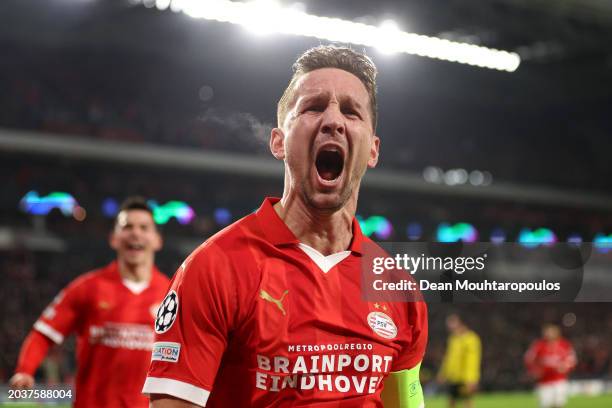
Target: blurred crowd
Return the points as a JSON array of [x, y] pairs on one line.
[[80, 93]]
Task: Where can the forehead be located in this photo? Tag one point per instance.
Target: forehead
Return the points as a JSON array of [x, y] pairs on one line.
[[333, 81], [126, 217]]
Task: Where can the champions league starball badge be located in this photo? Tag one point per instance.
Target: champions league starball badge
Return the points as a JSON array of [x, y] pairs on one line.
[[166, 314]]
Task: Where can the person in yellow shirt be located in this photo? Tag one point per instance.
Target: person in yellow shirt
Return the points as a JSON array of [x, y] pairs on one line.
[[461, 364]]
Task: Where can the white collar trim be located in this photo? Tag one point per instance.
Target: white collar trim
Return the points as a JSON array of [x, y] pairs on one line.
[[135, 287], [325, 263]]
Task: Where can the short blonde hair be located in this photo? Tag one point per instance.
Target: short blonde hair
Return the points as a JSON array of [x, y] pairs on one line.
[[328, 56]]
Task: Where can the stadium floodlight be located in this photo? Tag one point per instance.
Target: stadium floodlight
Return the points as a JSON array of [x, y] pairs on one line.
[[162, 4], [268, 16]]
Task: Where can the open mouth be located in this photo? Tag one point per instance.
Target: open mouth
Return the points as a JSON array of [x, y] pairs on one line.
[[329, 163], [135, 246]]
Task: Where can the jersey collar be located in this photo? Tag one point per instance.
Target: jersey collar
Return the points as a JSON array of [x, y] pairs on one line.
[[112, 269], [277, 232]]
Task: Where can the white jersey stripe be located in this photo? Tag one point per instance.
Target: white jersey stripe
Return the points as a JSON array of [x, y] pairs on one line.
[[49, 331], [175, 388]]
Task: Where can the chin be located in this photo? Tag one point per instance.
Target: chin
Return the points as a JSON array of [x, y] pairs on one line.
[[136, 261], [327, 201]]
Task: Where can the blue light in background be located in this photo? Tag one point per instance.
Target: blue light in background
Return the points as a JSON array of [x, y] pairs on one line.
[[110, 207], [222, 216], [414, 231], [498, 236]]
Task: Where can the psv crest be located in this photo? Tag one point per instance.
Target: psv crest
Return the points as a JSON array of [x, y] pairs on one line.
[[166, 314], [382, 325]]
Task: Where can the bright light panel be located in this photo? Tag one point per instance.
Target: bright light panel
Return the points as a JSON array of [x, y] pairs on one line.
[[268, 16]]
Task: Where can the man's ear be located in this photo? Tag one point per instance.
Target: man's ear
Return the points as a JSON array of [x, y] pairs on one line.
[[374, 150], [277, 143], [158, 242], [112, 240]]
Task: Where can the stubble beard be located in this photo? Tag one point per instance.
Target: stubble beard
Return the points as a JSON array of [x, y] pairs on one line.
[[329, 206]]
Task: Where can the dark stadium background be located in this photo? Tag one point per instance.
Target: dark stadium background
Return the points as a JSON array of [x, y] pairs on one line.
[[86, 83]]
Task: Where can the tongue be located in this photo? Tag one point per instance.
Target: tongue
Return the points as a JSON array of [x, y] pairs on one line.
[[327, 174], [329, 165]]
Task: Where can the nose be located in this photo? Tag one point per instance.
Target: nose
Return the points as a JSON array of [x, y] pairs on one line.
[[332, 122], [135, 233]]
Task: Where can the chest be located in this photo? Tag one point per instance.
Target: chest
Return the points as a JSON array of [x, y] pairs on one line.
[[119, 319], [552, 353], [114, 303], [304, 320]]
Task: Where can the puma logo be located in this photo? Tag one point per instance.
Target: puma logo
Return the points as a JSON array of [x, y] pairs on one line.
[[278, 302], [104, 305]]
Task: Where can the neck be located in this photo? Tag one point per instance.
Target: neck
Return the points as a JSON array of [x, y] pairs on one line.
[[136, 273], [326, 231]]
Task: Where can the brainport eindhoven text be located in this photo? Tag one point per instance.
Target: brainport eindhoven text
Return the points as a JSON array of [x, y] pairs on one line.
[[486, 285]]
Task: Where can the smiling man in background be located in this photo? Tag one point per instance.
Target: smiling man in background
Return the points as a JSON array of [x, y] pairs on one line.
[[270, 311], [111, 310]]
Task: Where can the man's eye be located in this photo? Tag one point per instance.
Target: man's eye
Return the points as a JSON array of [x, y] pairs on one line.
[[351, 112], [314, 108]]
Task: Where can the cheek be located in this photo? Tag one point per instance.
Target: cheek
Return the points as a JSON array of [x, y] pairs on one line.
[[362, 144], [297, 148]]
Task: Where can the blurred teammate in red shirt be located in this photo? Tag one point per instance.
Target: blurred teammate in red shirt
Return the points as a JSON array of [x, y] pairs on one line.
[[549, 360], [112, 311]]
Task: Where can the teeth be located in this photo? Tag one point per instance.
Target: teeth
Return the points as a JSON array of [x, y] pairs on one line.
[[332, 150]]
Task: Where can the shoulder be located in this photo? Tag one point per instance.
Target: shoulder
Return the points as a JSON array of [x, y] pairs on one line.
[[160, 278], [90, 278], [472, 338], [229, 251], [472, 335], [241, 239], [79, 288]]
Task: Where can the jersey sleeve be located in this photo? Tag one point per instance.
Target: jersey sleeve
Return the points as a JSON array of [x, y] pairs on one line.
[[570, 360], [33, 352], [192, 327], [62, 315], [412, 353], [471, 357]]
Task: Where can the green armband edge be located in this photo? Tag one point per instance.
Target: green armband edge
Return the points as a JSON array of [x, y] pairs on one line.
[[404, 390]]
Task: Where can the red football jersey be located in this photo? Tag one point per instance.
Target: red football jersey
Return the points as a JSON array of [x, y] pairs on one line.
[[550, 361], [114, 329], [254, 318]]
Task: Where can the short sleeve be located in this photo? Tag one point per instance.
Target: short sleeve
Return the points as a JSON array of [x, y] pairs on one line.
[[192, 327], [472, 359], [61, 316], [413, 352]]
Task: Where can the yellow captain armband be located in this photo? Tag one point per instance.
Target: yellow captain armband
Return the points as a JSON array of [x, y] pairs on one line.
[[402, 389]]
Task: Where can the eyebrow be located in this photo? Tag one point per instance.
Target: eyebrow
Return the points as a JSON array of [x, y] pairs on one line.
[[344, 99], [351, 101]]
